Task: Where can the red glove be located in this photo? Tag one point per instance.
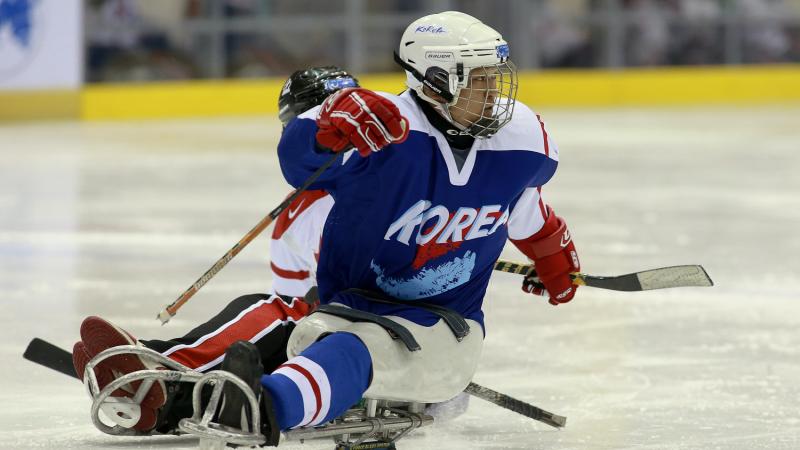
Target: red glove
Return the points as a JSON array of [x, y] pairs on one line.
[[361, 118], [554, 256]]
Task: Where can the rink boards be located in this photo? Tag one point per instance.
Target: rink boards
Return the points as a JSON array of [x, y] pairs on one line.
[[556, 88]]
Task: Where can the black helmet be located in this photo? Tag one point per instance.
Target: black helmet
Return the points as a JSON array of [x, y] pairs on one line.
[[308, 88]]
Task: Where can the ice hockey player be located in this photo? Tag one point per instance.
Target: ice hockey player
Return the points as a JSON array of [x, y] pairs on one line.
[[265, 320], [439, 177], [297, 234]]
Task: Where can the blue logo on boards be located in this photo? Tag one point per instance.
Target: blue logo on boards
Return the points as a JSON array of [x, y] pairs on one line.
[[20, 35], [502, 51], [16, 14], [335, 84]]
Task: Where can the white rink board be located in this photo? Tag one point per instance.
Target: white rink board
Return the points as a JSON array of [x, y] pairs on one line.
[[41, 45], [117, 219]]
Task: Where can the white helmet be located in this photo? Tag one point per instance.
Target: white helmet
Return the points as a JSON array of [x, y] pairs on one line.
[[442, 51]]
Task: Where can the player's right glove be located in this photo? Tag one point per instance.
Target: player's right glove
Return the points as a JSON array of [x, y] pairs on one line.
[[360, 118]]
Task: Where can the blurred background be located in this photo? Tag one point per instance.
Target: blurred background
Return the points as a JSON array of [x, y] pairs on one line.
[[137, 145], [178, 39], [79, 51]]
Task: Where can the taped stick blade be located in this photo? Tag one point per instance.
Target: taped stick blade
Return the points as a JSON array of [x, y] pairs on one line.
[[661, 278], [675, 276]]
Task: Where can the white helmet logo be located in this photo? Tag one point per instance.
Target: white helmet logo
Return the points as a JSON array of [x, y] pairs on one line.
[[432, 29], [439, 56]]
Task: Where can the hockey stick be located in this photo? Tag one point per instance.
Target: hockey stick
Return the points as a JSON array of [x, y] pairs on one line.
[[661, 278], [54, 357], [518, 406], [171, 309], [51, 356]]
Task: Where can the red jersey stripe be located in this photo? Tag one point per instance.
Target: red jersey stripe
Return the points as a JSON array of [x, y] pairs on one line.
[[290, 274], [544, 134], [542, 207]]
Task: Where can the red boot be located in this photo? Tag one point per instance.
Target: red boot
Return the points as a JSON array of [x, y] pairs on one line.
[[98, 335]]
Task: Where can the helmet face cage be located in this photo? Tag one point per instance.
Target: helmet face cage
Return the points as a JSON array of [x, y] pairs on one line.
[[487, 100]]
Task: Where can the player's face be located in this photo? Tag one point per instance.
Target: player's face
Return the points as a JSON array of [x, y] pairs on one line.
[[476, 101]]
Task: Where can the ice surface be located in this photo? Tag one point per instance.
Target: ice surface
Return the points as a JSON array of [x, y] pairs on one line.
[[117, 219]]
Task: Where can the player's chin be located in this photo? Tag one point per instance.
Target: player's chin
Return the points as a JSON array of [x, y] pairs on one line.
[[475, 117]]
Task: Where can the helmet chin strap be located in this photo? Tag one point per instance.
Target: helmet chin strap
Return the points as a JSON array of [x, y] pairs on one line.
[[422, 79], [444, 110], [450, 99]]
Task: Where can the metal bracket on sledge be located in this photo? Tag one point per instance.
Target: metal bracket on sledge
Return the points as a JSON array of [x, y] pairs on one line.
[[214, 435], [123, 409], [378, 424]]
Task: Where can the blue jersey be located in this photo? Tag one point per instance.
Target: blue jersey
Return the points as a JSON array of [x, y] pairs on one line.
[[408, 223]]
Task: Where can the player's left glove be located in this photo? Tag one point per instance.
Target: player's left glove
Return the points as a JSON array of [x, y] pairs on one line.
[[553, 253], [360, 118]]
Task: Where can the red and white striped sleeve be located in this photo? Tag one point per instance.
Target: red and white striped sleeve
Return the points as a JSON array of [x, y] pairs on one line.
[[294, 248], [290, 274]]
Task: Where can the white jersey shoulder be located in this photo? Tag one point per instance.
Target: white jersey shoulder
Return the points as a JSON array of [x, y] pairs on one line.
[[305, 229], [294, 249], [410, 110], [525, 131], [310, 114]]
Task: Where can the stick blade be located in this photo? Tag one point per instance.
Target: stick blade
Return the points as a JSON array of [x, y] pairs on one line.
[[661, 278], [675, 276], [46, 354], [512, 404], [556, 421]]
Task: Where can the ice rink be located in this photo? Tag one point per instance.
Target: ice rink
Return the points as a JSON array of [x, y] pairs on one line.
[[117, 219]]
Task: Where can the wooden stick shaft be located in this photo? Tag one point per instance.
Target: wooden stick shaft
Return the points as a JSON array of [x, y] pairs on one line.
[[524, 269], [171, 309], [188, 293]]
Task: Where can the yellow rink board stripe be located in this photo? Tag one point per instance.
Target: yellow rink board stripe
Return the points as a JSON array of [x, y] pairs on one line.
[[630, 87], [27, 105], [634, 87], [551, 88], [192, 99], [668, 86]]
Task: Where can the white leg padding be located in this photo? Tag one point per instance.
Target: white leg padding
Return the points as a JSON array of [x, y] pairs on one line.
[[440, 371]]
